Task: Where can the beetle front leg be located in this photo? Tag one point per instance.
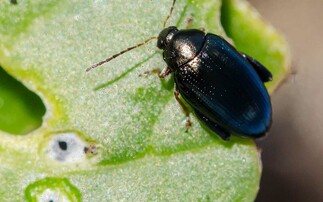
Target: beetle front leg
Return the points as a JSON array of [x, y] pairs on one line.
[[165, 72], [161, 73], [184, 108], [189, 22]]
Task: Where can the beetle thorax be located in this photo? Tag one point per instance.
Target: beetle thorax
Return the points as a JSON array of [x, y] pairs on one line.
[[180, 46]]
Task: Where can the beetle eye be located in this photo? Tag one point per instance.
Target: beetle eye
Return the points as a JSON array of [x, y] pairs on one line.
[[162, 42], [165, 36]]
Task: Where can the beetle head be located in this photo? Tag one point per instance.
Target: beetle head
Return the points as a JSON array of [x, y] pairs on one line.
[[166, 36]]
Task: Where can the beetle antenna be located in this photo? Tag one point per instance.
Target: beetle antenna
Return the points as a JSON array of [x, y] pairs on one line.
[[170, 13], [118, 54]]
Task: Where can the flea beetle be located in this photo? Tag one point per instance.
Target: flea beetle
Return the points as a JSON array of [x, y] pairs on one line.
[[223, 87]]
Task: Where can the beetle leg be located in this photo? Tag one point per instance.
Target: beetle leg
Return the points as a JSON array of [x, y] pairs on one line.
[[152, 71], [161, 73], [165, 72], [264, 74], [189, 21], [185, 109], [223, 133]]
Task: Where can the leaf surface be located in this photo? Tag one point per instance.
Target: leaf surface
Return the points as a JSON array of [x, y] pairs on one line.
[[141, 150]]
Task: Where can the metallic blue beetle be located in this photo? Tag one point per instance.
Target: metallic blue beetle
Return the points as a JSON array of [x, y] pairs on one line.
[[224, 88]]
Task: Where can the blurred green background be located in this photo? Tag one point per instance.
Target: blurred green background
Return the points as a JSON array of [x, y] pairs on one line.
[[292, 152]]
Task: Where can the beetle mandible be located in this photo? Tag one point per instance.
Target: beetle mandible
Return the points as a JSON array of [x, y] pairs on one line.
[[224, 88]]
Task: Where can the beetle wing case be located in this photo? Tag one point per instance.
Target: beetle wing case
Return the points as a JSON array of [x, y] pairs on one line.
[[220, 84]]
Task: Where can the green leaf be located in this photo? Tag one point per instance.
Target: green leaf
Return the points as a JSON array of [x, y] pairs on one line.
[[110, 135]]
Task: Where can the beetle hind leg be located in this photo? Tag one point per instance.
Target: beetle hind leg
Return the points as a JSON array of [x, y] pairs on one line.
[[264, 74], [220, 131]]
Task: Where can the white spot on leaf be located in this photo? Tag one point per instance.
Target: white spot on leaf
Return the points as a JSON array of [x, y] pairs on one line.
[[52, 196], [66, 147]]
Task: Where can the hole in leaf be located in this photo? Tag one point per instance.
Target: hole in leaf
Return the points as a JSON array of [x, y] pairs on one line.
[[67, 147], [53, 190], [21, 110], [13, 2], [62, 145]]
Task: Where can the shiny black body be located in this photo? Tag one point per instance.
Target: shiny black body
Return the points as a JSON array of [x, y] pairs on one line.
[[223, 87]]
